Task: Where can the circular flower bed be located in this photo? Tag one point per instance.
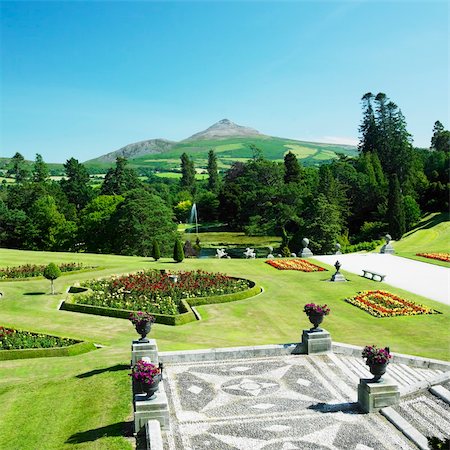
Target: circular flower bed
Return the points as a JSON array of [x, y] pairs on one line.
[[156, 292]]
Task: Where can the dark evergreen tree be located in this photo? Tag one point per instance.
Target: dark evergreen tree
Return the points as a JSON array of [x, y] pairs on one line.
[[187, 181], [18, 168], [396, 211], [156, 252], [120, 179], [76, 184], [440, 141], [368, 128], [213, 176], [292, 169], [138, 220], [178, 252], [40, 170]]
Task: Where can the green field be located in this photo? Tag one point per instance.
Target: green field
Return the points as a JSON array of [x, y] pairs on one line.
[[238, 149], [83, 402]]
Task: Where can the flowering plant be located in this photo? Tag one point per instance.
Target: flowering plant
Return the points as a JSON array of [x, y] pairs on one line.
[[139, 318], [376, 355], [438, 256], [144, 372], [295, 264], [384, 304], [312, 308]]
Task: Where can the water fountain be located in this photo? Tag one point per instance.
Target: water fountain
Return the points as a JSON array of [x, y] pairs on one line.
[[193, 218]]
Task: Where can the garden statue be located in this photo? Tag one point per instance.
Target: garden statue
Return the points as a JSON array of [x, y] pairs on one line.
[[337, 246], [221, 253], [387, 248], [338, 275], [306, 252], [250, 253], [270, 255]]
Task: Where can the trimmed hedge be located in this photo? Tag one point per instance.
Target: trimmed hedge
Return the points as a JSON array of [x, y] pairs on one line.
[[71, 350], [186, 315]]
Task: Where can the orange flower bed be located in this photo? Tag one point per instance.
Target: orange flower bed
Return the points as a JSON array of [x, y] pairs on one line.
[[438, 256], [385, 304], [294, 264]]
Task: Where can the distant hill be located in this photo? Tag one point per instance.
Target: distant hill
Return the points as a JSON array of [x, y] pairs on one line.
[[230, 141]]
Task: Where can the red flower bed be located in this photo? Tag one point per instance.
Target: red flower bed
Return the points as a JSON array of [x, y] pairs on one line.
[[154, 292], [294, 264], [438, 256], [385, 304]]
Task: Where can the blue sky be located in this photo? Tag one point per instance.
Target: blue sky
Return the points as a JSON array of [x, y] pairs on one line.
[[85, 78]]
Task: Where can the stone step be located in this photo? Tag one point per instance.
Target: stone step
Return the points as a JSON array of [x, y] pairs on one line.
[[441, 392], [425, 413]]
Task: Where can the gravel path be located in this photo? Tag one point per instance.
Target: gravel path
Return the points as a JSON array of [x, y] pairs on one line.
[[420, 278]]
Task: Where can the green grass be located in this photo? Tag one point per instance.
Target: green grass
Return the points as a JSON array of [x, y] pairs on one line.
[[84, 401], [432, 234]]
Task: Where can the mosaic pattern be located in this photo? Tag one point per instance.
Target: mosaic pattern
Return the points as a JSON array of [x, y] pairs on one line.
[[280, 403]]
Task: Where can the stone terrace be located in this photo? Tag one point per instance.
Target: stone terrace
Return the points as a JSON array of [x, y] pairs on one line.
[[292, 402]]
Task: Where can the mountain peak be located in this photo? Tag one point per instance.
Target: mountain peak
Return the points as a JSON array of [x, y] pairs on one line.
[[222, 129]]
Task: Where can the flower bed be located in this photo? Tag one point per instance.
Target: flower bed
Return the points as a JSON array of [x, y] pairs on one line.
[[33, 270], [155, 293], [295, 264], [438, 256], [384, 304], [11, 339]]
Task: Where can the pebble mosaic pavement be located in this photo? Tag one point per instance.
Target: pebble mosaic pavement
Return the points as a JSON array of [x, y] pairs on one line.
[[278, 403]]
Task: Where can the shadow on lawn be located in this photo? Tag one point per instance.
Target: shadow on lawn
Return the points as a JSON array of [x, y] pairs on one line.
[[116, 429], [115, 368], [430, 223], [34, 293]]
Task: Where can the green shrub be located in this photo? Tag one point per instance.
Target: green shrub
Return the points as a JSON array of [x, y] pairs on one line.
[[178, 253], [156, 252], [72, 350]]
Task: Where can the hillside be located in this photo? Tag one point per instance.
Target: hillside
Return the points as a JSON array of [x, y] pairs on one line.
[[230, 141]]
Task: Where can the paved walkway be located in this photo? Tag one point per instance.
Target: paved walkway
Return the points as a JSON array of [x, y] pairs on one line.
[[420, 278], [281, 403]]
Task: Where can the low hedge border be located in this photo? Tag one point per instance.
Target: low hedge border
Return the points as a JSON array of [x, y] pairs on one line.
[[186, 316], [41, 277], [71, 350]]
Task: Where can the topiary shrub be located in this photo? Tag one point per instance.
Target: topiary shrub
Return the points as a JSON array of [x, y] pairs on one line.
[[178, 253], [156, 252], [52, 272]]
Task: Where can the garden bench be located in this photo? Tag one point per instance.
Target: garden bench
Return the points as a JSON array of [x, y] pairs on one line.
[[373, 275]]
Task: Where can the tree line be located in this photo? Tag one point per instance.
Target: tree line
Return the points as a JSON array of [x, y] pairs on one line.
[[351, 200]]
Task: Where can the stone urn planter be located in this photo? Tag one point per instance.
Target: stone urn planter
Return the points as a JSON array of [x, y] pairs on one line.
[[143, 329], [147, 377], [316, 320], [150, 388], [316, 314], [377, 370], [142, 321], [377, 359]]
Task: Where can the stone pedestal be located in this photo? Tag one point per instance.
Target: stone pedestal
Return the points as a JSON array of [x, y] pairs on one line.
[[306, 253], [374, 396], [387, 248], [154, 409], [338, 277], [140, 350], [316, 341]]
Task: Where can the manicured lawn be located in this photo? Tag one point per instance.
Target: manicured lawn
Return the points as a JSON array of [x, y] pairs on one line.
[[84, 402], [432, 234]]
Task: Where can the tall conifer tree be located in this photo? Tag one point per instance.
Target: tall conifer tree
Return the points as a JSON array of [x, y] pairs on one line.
[[396, 211], [213, 176]]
